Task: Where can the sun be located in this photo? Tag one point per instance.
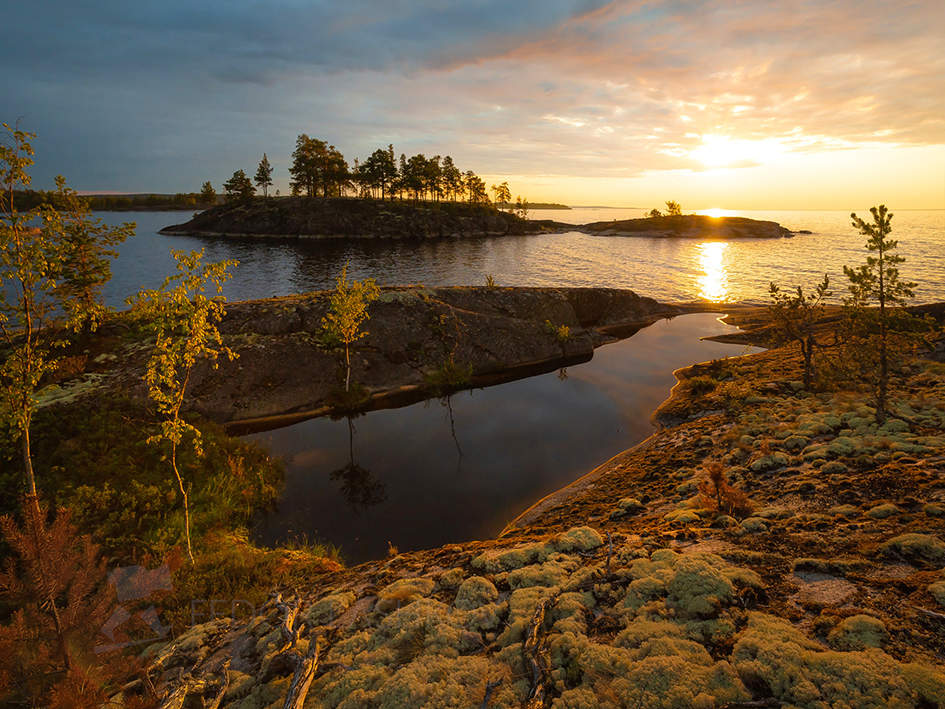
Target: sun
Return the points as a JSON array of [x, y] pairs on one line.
[[716, 212], [722, 151]]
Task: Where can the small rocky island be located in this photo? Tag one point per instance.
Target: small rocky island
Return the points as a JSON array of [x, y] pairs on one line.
[[345, 217], [341, 217], [689, 226]]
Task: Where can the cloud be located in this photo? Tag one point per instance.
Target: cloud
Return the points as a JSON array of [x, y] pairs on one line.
[[165, 95]]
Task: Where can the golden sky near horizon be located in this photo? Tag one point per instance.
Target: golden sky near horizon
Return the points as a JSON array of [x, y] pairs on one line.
[[750, 104]]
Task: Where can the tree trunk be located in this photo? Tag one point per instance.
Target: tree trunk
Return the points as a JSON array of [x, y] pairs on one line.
[[808, 350], [348, 367], [883, 363], [183, 492]]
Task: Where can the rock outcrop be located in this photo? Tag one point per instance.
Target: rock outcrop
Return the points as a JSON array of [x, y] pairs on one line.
[[305, 217], [689, 226]]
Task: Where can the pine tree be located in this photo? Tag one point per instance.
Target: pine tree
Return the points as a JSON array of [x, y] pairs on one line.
[[673, 209], [208, 195], [56, 583], [795, 314], [877, 281], [238, 187], [264, 175]]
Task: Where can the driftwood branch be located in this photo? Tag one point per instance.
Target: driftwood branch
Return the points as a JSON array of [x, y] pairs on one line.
[[491, 686], [289, 630], [304, 674], [535, 656]]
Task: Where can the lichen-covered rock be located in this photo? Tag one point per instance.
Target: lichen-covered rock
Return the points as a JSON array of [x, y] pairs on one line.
[[797, 670], [858, 632], [474, 592], [916, 548]]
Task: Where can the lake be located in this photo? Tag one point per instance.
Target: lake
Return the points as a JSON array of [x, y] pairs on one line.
[[447, 471], [665, 269]]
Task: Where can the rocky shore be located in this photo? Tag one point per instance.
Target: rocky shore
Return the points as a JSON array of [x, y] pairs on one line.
[[420, 342], [812, 576]]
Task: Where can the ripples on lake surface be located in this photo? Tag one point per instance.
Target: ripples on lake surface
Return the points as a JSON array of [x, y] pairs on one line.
[[403, 477], [665, 269]]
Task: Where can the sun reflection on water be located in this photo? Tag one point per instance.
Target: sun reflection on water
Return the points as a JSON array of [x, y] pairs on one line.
[[713, 283]]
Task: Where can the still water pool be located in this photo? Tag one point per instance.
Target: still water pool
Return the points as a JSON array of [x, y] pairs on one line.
[[447, 471]]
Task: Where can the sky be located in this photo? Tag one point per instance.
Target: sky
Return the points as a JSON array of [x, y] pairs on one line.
[[792, 104]]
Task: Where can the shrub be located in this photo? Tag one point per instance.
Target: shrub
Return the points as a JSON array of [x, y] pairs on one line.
[[717, 494]]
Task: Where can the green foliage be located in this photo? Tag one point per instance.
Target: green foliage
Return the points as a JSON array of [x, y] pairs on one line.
[[490, 281], [521, 208], [673, 209], [562, 333], [238, 187], [654, 213], [700, 384], [448, 377], [60, 265], [317, 167], [794, 316], [264, 175], [348, 309], [501, 193], [208, 195], [184, 321], [85, 244]]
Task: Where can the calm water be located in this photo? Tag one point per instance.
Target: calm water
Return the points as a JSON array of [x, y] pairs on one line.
[[675, 270], [411, 477]]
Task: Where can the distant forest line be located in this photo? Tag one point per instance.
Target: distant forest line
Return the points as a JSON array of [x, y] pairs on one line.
[[318, 169]]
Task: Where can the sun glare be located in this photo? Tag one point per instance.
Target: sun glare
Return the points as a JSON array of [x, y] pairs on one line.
[[716, 212], [722, 151], [713, 283]]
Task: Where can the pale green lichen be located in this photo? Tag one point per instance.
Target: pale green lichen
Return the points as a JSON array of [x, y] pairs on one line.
[[550, 573], [858, 632], [328, 608], [403, 591], [937, 590], [474, 592], [798, 671], [882, 511], [577, 539], [754, 524], [916, 547], [698, 587]]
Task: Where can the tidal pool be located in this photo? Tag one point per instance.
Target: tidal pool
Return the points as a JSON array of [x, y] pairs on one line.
[[460, 468]]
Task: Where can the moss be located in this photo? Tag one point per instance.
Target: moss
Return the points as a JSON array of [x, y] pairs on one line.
[[883, 511], [834, 467], [403, 591], [934, 509], [328, 608], [487, 617], [844, 511], [682, 517], [639, 631], [916, 548], [937, 590], [551, 573], [796, 443], [474, 592], [796, 670], [577, 539], [858, 632], [772, 461], [667, 673], [444, 682], [495, 560], [698, 587], [451, 579], [265, 695], [754, 524]]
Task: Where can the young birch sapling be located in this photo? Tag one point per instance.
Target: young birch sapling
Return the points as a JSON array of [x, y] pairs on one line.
[[184, 320], [348, 309]]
